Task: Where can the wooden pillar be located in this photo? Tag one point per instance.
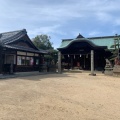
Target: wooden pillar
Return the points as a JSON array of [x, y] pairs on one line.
[[59, 63], [71, 62], [92, 63], [1, 60], [84, 61]]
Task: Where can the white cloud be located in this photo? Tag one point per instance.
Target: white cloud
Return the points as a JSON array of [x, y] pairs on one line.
[[114, 32], [61, 12], [46, 30], [104, 17], [117, 22], [52, 17], [94, 33], [75, 33]]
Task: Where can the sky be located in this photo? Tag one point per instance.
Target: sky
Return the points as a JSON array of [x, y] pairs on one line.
[[61, 19]]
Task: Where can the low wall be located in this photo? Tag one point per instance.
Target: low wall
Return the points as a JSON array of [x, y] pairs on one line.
[[45, 68]]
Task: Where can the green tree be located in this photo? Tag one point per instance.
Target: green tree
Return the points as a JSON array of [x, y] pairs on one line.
[[52, 56], [115, 49], [43, 42]]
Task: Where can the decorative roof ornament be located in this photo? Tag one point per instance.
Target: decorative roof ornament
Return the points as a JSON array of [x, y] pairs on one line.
[[79, 36]]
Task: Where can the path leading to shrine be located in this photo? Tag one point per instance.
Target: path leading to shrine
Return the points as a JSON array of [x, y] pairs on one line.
[[69, 96]]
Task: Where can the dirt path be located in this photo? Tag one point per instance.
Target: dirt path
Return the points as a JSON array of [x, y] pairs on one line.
[[69, 96]]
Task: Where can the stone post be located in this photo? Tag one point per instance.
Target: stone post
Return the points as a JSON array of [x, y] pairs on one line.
[[92, 63], [59, 63]]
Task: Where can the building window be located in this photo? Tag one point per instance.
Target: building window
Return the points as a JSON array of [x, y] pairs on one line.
[[37, 61], [27, 60], [18, 60], [9, 59], [22, 60], [31, 61]]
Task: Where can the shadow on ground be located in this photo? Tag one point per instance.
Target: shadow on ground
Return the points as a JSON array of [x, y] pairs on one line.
[[38, 77], [43, 76]]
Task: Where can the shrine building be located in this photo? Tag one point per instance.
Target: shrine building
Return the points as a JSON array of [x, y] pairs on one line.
[[84, 53], [18, 50]]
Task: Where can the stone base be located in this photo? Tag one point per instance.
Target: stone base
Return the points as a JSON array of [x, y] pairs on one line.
[[108, 71], [92, 74], [116, 70]]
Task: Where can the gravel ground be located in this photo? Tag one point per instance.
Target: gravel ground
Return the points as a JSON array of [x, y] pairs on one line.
[[68, 96]]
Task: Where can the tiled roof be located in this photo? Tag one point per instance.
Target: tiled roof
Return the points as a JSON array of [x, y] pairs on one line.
[[66, 42], [99, 41], [79, 36], [43, 51], [101, 37], [80, 43], [24, 49], [7, 37], [104, 42]]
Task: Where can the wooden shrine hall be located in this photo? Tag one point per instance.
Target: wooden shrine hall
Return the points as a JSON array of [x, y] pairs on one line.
[[81, 53], [18, 53]]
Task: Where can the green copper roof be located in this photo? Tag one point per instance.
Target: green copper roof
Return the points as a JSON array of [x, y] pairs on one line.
[[104, 42], [65, 43], [100, 41]]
